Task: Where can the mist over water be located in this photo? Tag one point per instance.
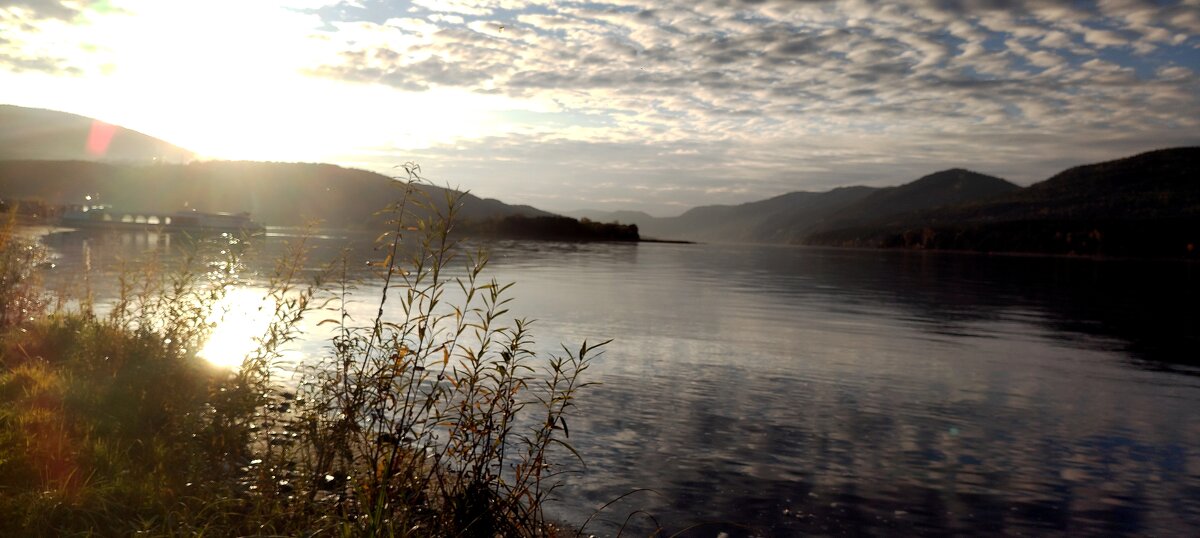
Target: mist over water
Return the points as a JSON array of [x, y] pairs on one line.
[[784, 391]]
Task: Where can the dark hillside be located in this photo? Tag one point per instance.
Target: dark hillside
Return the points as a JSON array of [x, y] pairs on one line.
[[792, 217], [770, 220], [948, 187], [1145, 205], [810, 213], [1155, 184], [549, 228], [278, 194], [732, 222]]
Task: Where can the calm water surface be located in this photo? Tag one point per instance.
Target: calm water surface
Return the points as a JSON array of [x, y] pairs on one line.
[[770, 391]]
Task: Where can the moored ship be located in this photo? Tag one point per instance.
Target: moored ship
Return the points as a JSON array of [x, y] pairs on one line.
[[187, 221]]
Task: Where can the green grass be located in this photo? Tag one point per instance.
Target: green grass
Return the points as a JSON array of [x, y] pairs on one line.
[[100, 426], [438, 421]]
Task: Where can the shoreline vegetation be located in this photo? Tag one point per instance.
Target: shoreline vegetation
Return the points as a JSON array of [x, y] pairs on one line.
[[433, 419], [541, 227]]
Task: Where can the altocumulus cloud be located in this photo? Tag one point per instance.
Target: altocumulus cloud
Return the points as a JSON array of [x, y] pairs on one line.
[[770, 96], [21, 22]]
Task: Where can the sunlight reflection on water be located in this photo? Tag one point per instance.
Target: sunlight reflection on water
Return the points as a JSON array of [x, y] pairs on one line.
[[239, 320], [808, 391]]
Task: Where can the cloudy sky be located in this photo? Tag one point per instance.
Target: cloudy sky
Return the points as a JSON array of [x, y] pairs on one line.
[[617, 104]]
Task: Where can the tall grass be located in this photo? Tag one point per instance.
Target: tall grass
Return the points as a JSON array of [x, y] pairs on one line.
[[108, 424], [440, 405], [20, 296], [433, 418]]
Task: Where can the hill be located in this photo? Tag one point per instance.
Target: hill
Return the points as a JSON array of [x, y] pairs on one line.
[[50, 159], [948, 187], [34, 133], [792, 217], [1144, 205], [760, 221], [765, 220], [278, 194]]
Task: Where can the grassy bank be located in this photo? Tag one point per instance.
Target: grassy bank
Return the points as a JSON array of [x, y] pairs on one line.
[[433, 419], [109, 430]]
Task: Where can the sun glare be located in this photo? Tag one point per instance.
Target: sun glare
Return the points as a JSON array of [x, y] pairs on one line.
[[241, 317], [247, 91]]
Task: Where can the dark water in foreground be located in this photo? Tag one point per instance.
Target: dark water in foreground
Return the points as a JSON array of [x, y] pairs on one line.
[[787, 391]]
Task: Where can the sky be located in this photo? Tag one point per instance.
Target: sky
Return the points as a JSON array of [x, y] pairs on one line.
[[617, 104]]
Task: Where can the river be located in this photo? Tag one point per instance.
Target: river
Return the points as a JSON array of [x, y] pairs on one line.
[[779, 391]]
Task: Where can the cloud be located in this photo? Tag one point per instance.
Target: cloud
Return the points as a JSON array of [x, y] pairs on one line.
[[28, 27], [736, 73], [589, 56], [39, 9], [1104, 38], [21, 64], [453, 6]]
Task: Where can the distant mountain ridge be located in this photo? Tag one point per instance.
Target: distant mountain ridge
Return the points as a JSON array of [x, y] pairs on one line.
[[948, 187], [1144, 205], [34, 133], [790, 218], [278, 194]]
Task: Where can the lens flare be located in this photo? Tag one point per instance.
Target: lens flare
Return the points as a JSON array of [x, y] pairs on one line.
[[99, 137]]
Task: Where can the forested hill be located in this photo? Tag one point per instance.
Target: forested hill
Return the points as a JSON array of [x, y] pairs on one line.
[[50, 158], [34, 133], [793, 217], [1145, 205], [278, 194], [935, 190]]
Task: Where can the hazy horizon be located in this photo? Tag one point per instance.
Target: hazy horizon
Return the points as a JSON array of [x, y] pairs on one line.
[[64, 127]]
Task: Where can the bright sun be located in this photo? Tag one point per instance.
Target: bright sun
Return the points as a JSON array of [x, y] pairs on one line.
[[248, 91]]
